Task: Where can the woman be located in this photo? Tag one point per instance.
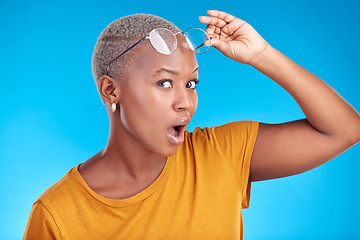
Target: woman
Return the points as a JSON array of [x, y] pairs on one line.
[[154, 180]]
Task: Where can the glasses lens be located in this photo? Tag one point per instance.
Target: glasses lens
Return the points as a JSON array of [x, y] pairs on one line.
[[163, 40], [196, 38]]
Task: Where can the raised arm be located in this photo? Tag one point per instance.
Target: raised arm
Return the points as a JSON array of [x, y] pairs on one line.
[[331, 125]]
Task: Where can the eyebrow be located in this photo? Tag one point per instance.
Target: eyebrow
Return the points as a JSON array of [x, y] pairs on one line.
[[172, 71]]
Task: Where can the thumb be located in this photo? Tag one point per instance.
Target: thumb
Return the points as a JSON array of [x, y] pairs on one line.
[[220, 45]]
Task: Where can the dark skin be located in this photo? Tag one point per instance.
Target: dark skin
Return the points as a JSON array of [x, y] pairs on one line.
[[132, 160], [148, 102], [331, 126]]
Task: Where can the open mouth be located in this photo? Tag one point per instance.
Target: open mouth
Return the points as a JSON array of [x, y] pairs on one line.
[[175, 133], [175, 130]]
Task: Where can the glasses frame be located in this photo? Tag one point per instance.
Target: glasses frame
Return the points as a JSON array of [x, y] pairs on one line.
[[148, 37]]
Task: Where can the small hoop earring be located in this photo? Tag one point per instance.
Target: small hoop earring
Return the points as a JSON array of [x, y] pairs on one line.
[[113, 107]]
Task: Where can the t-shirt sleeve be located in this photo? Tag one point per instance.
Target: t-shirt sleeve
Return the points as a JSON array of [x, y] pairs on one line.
[[235, 143], [41, 225]]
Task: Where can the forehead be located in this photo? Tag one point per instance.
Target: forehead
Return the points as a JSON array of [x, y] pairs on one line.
[[148, 60]]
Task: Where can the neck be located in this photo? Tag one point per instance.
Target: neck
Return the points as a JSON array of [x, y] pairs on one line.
[[125, 156], [123, 168]]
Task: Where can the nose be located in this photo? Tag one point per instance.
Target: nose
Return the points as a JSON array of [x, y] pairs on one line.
[[184, 100]]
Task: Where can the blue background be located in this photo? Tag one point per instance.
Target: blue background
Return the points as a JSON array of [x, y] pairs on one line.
[[52, 118]]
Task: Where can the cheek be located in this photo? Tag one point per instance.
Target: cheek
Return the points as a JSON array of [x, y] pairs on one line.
[[133, 105], [136, 93], [194, 100], [144, 103]]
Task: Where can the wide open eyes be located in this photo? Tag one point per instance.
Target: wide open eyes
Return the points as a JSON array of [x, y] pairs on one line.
[[169, 84], [165, 83], [192, 84]]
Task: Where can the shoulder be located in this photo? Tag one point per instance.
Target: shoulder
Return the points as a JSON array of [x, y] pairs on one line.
[[60, 188], [229, 140], [240, 129]]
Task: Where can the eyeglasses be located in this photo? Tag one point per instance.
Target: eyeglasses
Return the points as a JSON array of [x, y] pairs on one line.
[[164, 41]]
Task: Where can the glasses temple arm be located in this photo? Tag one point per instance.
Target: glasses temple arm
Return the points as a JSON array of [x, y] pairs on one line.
[[108, 66]]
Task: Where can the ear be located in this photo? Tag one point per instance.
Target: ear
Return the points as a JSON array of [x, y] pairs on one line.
[[109, 89]]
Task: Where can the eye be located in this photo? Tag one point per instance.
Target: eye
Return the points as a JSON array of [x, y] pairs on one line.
[[165, 83], [192, 84]]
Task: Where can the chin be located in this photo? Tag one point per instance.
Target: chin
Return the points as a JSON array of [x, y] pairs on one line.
[[168, 151]]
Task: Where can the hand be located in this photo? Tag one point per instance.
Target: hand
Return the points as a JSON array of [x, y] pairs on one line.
[[233, 37]]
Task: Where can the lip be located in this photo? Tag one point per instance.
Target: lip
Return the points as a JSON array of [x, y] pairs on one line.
[[177, 136], [182, 121]]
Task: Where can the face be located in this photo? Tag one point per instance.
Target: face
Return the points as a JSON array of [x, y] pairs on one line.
[[158, 98]]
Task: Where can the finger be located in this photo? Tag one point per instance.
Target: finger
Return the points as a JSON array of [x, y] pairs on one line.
[[216, 32], [204, 19], [212, 21], [221, 27], [210, 29], [214, 36], [232, 23], [221, 15], [220, 45]]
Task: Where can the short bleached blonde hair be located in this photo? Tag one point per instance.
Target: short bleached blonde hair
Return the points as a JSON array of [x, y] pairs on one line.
[[119, 36]]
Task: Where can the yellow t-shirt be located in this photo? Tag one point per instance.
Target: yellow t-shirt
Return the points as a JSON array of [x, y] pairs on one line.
[[199, 194]]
